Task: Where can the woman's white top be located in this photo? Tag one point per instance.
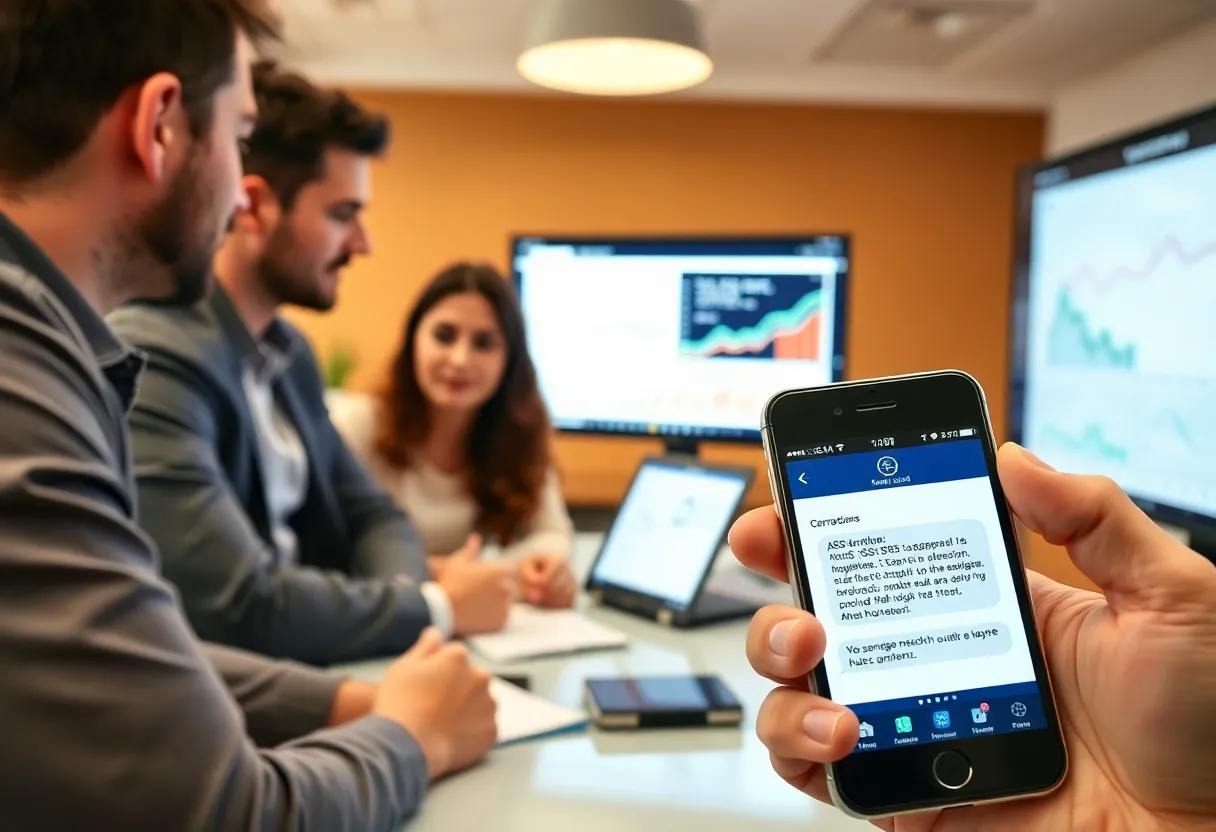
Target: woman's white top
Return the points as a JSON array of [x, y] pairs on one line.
[[438, 503]]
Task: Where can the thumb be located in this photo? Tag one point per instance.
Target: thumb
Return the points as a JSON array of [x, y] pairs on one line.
[[428, 644], [1110, 540], [471, 549]]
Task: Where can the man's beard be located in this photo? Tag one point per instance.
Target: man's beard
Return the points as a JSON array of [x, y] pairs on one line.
[[289, 282], [179, 236]]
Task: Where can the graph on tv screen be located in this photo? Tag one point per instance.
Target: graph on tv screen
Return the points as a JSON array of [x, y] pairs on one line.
[[758, 316], [1121, 316], [684, 337]]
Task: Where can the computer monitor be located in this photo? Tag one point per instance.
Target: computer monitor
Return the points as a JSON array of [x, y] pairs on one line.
[[1114, 318], [680, 338]]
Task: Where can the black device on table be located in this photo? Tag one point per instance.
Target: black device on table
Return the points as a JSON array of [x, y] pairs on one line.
[[518, 680], [901, 542], [662, 702], [660, 550]]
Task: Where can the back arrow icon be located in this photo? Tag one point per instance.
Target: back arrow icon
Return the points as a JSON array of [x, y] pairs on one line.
[[802, 478]]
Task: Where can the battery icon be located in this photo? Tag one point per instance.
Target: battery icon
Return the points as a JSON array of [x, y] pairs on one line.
[[967, 432]]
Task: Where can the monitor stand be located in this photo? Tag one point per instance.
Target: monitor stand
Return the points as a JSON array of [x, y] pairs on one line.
[[684, 448]]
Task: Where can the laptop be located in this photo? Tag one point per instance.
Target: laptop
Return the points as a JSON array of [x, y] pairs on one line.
[[661, 547]]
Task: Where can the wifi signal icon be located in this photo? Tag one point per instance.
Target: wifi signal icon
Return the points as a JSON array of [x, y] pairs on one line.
[[840, 447]]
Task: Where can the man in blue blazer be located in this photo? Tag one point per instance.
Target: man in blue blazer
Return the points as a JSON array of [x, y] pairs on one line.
[[277, 537]]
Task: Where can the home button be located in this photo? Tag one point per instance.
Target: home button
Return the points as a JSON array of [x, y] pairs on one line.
[[952, 770]]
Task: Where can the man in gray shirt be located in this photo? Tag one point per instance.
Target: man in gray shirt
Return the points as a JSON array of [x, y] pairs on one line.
[[276, 536], [119, 168]]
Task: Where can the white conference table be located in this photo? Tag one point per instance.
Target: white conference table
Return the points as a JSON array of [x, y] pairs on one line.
[[703, 779]]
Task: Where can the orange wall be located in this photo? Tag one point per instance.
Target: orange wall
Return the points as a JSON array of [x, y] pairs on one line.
[[927, 195]]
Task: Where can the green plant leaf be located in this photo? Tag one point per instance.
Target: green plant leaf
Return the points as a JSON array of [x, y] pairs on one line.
[[338, 366]]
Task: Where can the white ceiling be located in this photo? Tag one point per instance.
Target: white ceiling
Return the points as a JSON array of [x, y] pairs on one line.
[[827, 50]]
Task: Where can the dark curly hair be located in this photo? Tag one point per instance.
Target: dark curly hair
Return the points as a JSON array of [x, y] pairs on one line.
[[509, 451], [297, 123]]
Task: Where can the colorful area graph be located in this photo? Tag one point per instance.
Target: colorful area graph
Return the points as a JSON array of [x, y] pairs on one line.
[[752, 316], [801, 344], [1072, 342]]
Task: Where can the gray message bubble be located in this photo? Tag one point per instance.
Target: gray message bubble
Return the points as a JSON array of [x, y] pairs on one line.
[[931, 646], [909, 572]]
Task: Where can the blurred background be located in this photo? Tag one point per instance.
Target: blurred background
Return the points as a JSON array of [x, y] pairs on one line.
[[902, 124]]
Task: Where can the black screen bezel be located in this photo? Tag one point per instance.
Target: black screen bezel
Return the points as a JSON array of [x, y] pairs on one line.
[[883, 782]]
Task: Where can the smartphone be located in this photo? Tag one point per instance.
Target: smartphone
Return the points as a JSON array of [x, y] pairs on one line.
[[662, 702], [901, 543]]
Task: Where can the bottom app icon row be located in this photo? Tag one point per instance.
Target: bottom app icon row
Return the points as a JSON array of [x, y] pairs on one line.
[[941, 719]]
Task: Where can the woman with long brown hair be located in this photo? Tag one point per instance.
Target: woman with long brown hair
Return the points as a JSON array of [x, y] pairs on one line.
[[461, 437]]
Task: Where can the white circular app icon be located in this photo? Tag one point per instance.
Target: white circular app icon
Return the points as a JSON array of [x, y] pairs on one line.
[[887, 466]]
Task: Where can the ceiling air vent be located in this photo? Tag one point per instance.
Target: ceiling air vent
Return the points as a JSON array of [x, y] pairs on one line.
[[921, 33]]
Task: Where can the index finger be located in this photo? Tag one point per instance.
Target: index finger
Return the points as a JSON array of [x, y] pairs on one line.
[[759, 543]]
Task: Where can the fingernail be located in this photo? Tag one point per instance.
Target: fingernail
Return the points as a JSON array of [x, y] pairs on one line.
[[779, 637], [820, 725], [1030, 457]]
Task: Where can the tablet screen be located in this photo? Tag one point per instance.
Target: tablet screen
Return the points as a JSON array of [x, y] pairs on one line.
[[667, 533]]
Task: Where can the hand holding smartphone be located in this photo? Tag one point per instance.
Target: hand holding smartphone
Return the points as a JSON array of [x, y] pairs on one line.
[[902, 545]]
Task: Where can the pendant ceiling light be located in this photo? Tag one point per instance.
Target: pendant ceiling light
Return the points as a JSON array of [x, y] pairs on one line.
[[615, 47]]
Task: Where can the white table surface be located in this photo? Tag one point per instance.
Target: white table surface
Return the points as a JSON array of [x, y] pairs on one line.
[[701, 779]]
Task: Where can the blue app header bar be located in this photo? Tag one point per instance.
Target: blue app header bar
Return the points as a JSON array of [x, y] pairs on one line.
[[891, 468]]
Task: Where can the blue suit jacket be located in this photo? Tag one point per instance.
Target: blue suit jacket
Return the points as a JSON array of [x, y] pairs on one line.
[[354, 590]]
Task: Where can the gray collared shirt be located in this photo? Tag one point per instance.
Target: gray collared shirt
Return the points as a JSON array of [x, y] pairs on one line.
[[283, 457], [115, 716]]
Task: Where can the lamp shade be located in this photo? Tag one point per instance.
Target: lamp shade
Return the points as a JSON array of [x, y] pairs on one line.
[[615, 47]]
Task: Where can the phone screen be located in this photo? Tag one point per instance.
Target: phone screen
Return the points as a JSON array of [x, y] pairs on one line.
[[910, 575]]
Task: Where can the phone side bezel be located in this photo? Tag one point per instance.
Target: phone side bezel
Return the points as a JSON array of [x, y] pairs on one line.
[[846, 397]]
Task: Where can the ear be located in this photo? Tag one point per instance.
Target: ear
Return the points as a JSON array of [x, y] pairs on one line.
[[159, 122], [260, 211]]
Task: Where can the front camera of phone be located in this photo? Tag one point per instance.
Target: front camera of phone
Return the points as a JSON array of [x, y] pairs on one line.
[[838, 411]]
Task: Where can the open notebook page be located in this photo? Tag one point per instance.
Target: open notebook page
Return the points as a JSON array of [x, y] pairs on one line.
[[531, 633], [523, 715]]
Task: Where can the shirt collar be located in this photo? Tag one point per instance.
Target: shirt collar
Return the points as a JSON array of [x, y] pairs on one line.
[[268, 357], [120, 363]]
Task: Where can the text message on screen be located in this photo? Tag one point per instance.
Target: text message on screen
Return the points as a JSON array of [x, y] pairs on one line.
[[908, 572], [926, 647]]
